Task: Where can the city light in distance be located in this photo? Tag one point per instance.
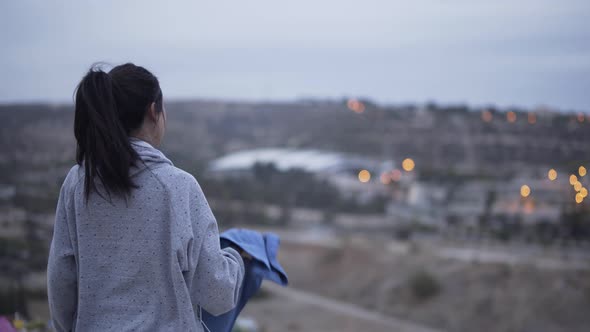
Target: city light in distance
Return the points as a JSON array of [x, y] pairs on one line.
[[487, 116], [396, 175], [525, 191], [408, 164], [552, 174], [511, 117], [364, 176], [529, 207], [532, 118], [581, 117], [581, 191], [356, 106], [385, 178]]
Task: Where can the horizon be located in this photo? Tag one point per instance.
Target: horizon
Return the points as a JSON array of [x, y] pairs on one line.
[[342, 99]]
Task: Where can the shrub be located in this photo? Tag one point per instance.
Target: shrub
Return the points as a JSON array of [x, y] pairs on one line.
[[424, 285]]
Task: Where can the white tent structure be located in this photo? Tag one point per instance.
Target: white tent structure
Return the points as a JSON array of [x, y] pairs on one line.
[[313, 161]]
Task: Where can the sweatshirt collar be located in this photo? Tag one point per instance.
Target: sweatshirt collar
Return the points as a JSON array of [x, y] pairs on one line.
[[149, 155]]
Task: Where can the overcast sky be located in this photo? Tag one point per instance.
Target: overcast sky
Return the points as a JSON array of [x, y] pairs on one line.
[[503, 52]]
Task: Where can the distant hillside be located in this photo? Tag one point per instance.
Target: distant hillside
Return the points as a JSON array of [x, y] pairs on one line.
[[37, 144]]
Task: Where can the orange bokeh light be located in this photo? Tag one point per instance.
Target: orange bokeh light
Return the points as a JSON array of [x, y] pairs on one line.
[[525, 191], [408, 164], [356, 106], [511, 117], [364, 176], [487, 116], [396, 175], [385, 178], [532, 118], [552, 174]]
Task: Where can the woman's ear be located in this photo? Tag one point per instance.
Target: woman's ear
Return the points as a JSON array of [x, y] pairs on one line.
[[153, 113]]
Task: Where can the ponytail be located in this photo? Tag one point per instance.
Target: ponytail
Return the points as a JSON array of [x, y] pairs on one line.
[[105, 113]]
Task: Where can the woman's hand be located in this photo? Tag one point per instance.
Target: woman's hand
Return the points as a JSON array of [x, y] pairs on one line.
[[242, 253], [245, 255]]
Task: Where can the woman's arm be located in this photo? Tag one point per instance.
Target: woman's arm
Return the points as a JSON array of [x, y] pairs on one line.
[[218, 273], [62, 287]]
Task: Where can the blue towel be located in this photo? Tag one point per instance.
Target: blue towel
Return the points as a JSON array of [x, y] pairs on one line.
[[264, 265]]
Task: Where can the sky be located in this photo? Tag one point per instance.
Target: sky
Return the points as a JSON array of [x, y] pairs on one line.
[[525, 53]]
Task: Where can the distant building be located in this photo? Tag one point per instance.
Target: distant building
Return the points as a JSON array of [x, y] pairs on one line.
[[340, 169], [421, 202], [545, 203], [467, 203], [499, 202], [313, 161]]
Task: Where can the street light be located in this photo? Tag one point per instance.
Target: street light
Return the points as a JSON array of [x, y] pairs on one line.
[[408, 165], [364, 176], [525, 191], [552, 174]]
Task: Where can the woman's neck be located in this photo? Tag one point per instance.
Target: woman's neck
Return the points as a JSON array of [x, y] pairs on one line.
[[145, 137]]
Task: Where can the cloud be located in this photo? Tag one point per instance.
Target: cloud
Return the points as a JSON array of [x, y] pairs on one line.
[[475, 51]]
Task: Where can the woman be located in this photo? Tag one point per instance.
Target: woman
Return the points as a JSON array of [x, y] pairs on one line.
[[135, 245]]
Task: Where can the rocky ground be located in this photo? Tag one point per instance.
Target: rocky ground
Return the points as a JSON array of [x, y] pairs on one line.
[[371, 286]]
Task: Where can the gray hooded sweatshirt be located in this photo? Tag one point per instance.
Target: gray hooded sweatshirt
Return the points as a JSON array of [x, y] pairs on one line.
[[145, 263]]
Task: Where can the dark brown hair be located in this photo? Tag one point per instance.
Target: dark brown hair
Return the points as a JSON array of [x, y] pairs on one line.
[[108, 106]]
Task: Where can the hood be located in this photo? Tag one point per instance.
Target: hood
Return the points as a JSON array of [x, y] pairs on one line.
[[149, 156]]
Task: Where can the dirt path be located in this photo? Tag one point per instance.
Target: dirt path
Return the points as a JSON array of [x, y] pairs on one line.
[[356, 283], [351, 312]]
